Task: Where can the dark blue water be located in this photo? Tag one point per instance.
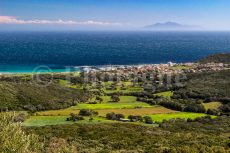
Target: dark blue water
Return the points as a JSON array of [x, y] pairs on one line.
[[22, 51]]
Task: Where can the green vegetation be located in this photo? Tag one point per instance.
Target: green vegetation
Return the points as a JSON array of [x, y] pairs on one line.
[[123, 99], [59, 120], [206, 85], [212, 105], [32, 97], [129, 89], [61, 113], [181, 115], [126, 102], [102, 112], [45, 120], [65, 83], [203, 135], [217, 58], [111, 105], [209, 87], [13, 138], [166, 94]]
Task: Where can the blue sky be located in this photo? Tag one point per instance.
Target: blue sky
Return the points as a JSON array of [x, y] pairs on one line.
[[111, 14]]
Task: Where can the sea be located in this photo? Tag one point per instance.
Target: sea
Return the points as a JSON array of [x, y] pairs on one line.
[[26, 52]]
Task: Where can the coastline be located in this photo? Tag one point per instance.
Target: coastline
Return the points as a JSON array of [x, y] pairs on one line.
[[28, 69]]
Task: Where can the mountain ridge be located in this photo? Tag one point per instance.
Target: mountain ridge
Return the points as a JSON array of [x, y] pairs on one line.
[[172, 26]]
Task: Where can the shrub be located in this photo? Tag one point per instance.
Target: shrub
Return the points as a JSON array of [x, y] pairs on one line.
[[148, 120], [113, 116], [115, 98], [85, 112], [14, 139], [172, 105], [212, 111], [197, 108], [75, 117], [135, 118], [20, 118]]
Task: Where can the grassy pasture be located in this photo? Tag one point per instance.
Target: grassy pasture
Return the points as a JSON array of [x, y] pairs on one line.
[[129, 89], [126, 102], [57, 120], [64, 83], [182, 115], [166, 94], [103, 112], [112, 105], [212, 105], [127, 85], [108, 106], [123, 99], [45, 120], [138, 111]]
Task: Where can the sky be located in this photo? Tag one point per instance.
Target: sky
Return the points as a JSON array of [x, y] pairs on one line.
[[111, 14]]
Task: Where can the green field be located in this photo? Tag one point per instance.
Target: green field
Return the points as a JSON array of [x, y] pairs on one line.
[[56, 120], [102, 112], [126, 102], [46, 120], [212, 105], [166, 94], [64, 83], [128, 105], [123, 99], [111, 105], [75, 109], [182, 115], [129, 89], [127, 84]]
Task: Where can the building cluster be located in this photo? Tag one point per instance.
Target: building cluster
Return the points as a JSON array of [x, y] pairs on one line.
[[169, 68]]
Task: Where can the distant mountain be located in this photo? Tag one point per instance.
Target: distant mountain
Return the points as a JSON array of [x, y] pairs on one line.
[[172, 26]]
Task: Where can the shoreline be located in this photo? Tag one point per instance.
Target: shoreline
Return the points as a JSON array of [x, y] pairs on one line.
[[69, 69]]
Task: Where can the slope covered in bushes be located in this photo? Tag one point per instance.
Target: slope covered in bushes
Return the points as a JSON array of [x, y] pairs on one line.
[[217, 58], [211, 135], [206, 85], [29, 96]]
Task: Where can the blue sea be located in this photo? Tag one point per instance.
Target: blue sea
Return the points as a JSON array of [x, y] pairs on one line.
[[22, 52]]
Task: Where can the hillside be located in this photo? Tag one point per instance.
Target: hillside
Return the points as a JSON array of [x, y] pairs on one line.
[[217, 58], [29, 96], [175, 136], [207, 85]]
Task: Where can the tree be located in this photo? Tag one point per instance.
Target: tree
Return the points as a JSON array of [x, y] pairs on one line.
[[148, 120], [135, 118], [115, 98], [86, 112], [20, 118], [14, 139], [212, 111], [198, 108], [99, 99], [59, 145], [113, 116], [75, 117]]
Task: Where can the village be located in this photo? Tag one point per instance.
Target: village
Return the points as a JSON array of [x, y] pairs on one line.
[[169, 68]]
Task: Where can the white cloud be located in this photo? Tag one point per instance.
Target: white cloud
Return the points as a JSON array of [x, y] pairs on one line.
[[14, 20]]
